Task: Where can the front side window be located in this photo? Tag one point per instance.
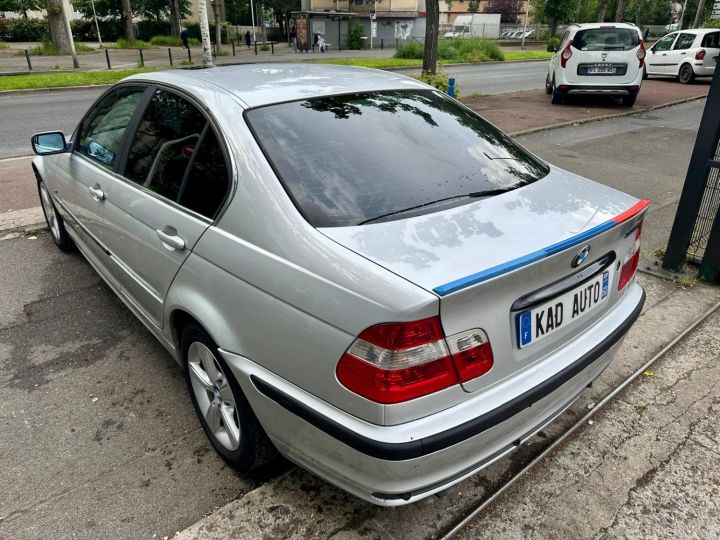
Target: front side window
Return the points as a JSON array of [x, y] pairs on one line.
[[684, 41], [606, 38], [101, 133], [376, 156], [163, 144], [665, 43]]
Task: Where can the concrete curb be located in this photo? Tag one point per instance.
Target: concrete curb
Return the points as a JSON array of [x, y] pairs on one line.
[[25, 220], [603, 117], [28, 91]]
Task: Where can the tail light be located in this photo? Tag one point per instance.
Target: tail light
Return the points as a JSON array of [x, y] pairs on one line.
[[566, 54], [632, 258], [700, 54], [641, 53], [396, 362]]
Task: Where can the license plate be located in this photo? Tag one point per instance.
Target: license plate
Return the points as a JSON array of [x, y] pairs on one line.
[[540, 322], [599, 70]]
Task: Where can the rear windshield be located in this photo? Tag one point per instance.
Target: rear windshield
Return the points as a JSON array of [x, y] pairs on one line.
[[377, 156], [712, 40], [606, 39]]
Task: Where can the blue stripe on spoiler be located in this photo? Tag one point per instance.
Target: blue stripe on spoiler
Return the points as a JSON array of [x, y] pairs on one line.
[[509, 266]]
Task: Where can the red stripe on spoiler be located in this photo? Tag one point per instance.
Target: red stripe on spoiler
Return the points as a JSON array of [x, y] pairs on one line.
[[632, 211]]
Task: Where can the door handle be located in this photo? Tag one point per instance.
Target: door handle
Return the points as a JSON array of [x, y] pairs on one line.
[[683, 53], [169, 237], [97, 193]]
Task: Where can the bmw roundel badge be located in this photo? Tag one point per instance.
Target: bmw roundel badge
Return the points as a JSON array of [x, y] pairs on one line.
[[581, 257]]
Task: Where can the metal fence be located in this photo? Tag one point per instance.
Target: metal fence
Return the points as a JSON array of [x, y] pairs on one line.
[[695, 234]]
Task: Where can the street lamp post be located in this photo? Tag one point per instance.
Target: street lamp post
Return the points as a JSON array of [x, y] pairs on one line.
[[97, 26], [252, 15], [527, 12]]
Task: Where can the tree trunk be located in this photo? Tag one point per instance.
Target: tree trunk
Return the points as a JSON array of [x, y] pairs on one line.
[[552, 24], [432, 23], [58, 28], [699, 14], [601, 11], [218, 27], [175, 18], [205, 34], [620, 13], [126, 12]]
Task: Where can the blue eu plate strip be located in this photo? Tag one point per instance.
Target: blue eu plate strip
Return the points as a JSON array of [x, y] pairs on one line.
[[509, 266]]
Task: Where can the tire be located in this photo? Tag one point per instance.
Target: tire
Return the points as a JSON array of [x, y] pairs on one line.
[[223, 411], [629, 101], [557, 97], [548, 86], [686, 75], [645, 73], [55, 222]]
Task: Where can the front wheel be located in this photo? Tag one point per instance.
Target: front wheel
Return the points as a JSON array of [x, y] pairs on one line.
[[686, 74], [220, 404], [548, 85], [557, 97], [53, 219]]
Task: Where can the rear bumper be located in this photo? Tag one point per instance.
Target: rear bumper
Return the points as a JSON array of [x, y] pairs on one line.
[[588, 89], [394, 465], [702, 71]]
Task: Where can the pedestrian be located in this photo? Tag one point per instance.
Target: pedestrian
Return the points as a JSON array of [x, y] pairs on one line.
[[293, 38], [315, 40], [320, 42], [184, 38], [247, 39]]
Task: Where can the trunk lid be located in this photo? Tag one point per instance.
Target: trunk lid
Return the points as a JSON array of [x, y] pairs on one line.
[[484, 257]]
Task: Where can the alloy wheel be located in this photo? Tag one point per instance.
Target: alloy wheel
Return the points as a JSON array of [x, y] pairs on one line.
[[214, 396]]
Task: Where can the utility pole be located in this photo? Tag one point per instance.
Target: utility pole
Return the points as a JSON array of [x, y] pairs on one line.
[[699, 14], [252, 16], [68, 29], [97, 26]]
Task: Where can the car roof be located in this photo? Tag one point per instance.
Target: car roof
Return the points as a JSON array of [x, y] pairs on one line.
[[697, 31], [264, 84]]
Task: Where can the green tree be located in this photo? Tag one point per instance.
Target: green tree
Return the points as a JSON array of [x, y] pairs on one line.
[[474, 6], [21, 6], [554, 12], [508, 10]]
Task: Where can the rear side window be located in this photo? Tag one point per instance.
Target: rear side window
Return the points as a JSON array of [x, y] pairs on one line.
[[606, 38], [102, 131], [684, 41], [163, 144], [711, 40], [207, 182], [351, 159]]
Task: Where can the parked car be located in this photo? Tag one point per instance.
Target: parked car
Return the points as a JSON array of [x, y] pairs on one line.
[[685, 55], [597, 59], [351, 267]]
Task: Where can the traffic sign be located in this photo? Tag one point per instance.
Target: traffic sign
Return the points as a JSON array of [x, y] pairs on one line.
[[373, 29]]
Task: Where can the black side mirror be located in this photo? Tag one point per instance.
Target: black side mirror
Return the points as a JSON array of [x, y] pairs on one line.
[[550, 48], [46, 144]]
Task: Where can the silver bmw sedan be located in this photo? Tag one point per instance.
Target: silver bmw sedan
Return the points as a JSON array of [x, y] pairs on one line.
[[353, 269]]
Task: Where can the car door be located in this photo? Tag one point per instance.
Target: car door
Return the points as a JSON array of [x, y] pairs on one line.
[[711, 44], [679, 52], [156, 212], [657, 61], [82, 176]]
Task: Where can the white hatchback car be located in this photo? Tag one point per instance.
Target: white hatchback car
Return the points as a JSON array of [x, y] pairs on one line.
[[685, 55], [598, 58]]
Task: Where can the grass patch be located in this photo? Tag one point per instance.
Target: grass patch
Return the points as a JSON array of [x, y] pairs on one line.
[[139, 44], [454, 50], [377, 63], [48, 49], [528, 55], [187, 63], [4, 45], [172, 41], [53, 80]]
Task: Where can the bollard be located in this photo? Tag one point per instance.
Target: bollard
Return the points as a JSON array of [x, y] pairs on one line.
[[27, 58], [170, 55], [107, 58], [256, 48], [189, 57], [451, 87], [382, 44], [233, 46], [272, 47], [142, 60]]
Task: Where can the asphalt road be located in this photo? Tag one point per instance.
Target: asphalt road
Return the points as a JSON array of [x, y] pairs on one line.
[[497, 78], [24, 115]]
